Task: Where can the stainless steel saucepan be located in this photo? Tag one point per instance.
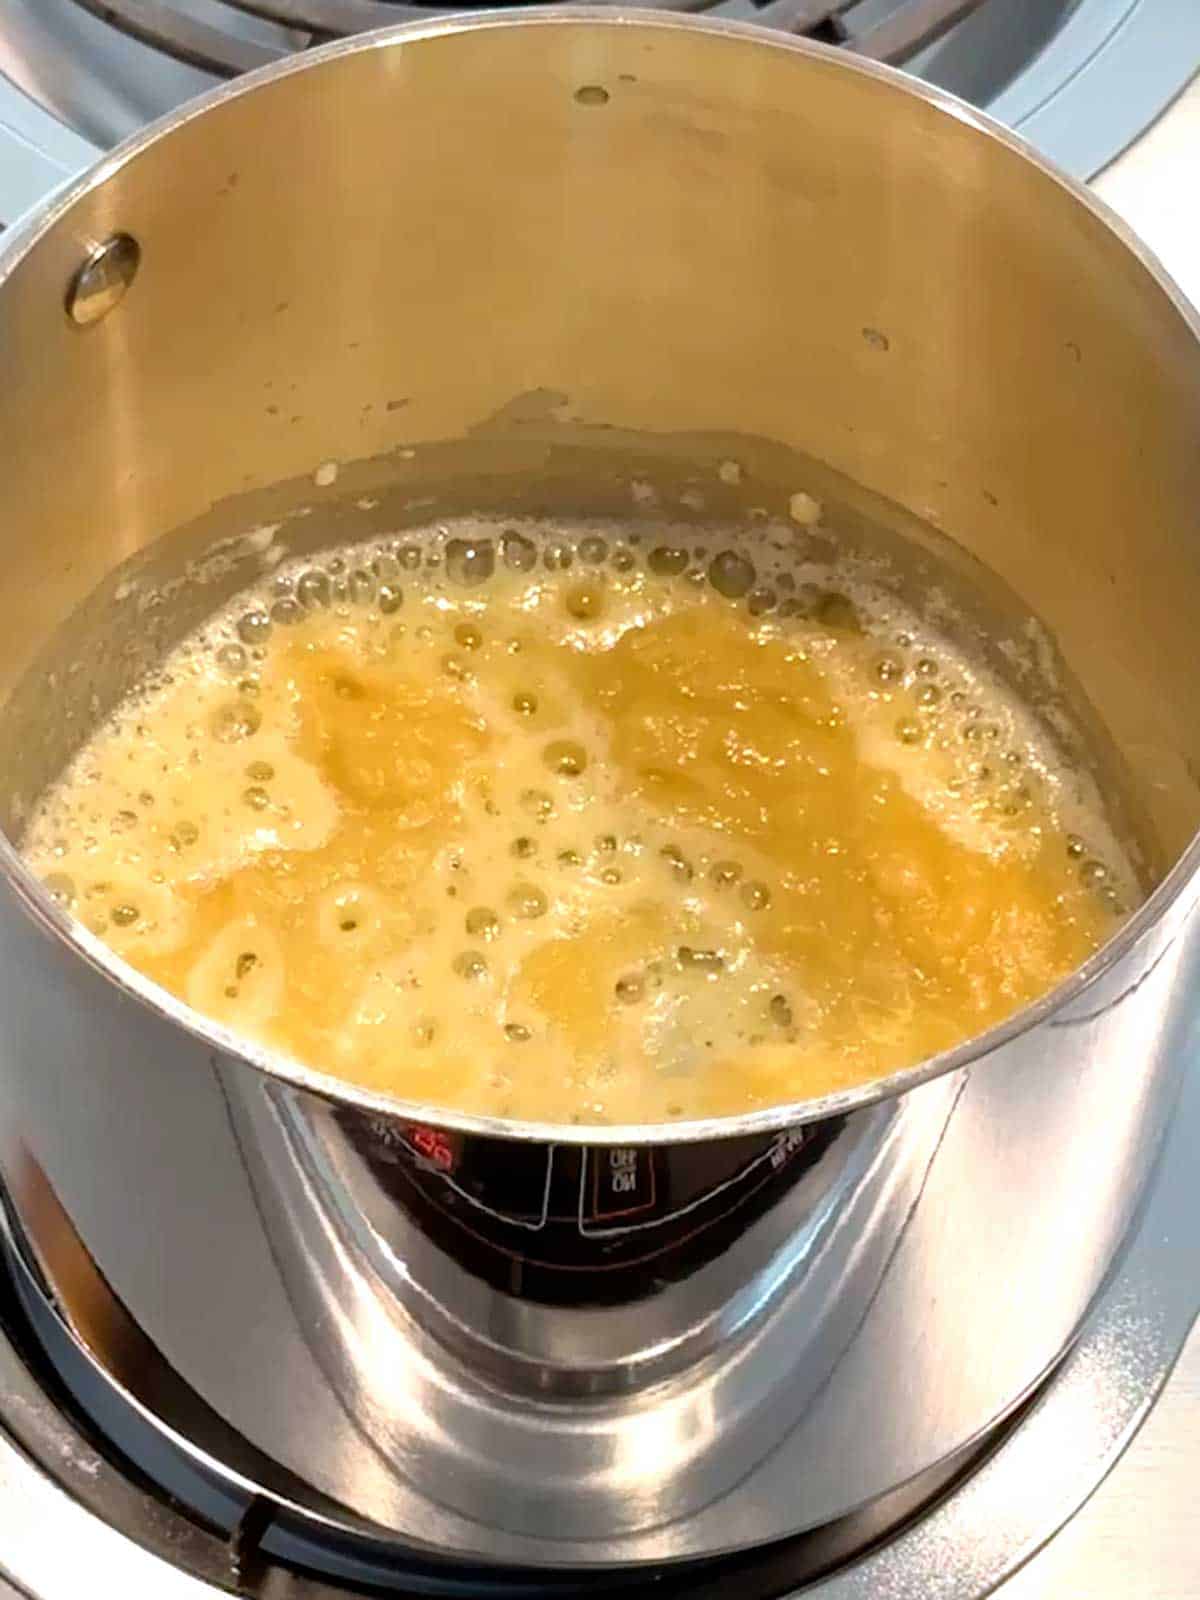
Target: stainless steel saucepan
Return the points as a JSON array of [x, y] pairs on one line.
[[511, 263]]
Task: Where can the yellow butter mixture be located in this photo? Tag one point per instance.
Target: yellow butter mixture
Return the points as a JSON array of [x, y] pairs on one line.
[[554, 827]]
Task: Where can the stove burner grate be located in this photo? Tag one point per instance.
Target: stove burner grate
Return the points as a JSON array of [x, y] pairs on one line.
[[882, 30]]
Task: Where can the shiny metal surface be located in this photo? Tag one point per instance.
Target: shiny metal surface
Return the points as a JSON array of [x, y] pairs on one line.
[[569, 1425], [70, 1515], [1136, 1534], [998, 1189], [103, 280]]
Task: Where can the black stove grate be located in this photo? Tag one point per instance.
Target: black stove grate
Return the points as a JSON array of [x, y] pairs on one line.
[[882, 30]]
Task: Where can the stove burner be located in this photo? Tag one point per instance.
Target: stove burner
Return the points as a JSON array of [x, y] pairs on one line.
[[883, 30]]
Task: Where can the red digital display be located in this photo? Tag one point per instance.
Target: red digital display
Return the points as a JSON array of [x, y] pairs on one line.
[[434, 1144]]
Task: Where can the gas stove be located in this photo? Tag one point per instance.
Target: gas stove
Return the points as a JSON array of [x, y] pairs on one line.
[[99, 1493]]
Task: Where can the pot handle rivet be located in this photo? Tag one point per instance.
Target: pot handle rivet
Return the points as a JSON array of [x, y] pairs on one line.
[[101, 282]]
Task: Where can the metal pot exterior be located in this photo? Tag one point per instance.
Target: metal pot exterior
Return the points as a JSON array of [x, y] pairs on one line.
[[906, 1290], [563, 1348]]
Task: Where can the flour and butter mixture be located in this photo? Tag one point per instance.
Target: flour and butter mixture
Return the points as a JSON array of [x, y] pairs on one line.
[[553, 827]]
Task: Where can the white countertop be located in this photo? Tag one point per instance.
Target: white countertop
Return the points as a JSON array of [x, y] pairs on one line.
[[1138, 1538], [1153, 186]]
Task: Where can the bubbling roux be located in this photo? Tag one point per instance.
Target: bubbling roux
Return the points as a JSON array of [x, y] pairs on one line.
[[549, 828]]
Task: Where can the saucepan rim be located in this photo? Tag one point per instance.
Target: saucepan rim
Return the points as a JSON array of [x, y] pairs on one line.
[[228, 1046]]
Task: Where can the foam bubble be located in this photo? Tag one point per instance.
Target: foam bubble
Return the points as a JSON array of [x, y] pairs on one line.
[[731, 574]]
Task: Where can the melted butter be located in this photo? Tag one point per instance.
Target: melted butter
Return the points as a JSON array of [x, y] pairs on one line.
[[584, 845]]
